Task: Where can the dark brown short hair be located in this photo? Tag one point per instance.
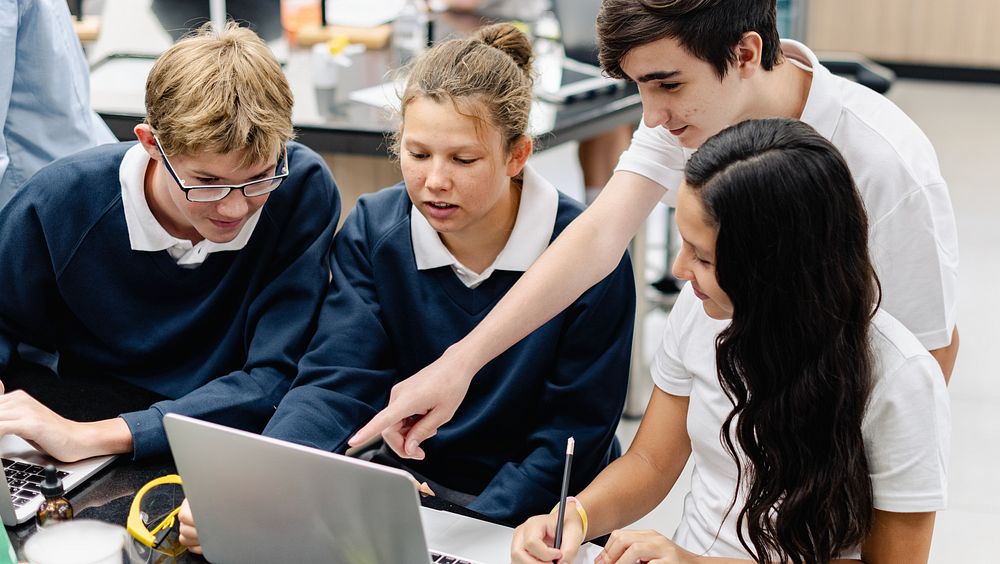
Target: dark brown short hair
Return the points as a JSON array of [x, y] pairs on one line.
[[708, 29]]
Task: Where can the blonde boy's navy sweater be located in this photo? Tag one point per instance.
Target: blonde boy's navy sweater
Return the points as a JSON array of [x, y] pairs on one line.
[[222, 340], [383, 320]]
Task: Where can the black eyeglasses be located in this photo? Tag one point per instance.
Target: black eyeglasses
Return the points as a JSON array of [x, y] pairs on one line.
[[216, 192]]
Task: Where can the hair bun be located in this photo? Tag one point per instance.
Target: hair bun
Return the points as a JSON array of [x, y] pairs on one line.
[[511, 40]]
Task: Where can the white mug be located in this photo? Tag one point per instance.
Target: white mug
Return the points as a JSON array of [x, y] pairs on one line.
[[82, 541]]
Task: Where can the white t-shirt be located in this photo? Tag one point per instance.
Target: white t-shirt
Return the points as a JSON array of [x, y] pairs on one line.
[[906, 427], [912, 238]]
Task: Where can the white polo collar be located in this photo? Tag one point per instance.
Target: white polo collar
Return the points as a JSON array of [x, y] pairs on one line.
[[823, 107], [533, 227], [146, 234]]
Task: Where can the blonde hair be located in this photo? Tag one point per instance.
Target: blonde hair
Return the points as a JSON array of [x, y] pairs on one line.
[[487, 76], [220, 93]]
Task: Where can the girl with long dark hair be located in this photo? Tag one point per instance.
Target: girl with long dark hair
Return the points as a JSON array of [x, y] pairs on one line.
[[817, 423]]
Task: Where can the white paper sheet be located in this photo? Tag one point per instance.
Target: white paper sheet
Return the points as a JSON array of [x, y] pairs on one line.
[[588, 553], [478, 540], [385, 95]]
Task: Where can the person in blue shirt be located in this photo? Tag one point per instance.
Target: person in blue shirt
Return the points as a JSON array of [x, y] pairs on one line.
[[44, 91], [418, 264], [190, 264]]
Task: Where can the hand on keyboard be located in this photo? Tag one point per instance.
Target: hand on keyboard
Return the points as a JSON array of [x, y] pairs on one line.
[[61, 438]]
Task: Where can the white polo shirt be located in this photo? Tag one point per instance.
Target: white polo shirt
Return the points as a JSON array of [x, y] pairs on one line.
[[536, 220], [912, 237], [905, 429], [146, 234]]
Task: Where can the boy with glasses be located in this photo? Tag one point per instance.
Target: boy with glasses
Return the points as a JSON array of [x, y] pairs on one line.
[[190, 264]]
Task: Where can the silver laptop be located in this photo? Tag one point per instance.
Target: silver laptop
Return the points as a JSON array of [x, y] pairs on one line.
[[257, 499], [23, 468]]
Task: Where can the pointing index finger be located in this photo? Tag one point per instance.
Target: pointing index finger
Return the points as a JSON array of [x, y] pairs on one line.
[[392, 414]]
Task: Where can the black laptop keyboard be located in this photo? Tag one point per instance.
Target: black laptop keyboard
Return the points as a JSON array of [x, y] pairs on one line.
[[24, 480], [438, 558]]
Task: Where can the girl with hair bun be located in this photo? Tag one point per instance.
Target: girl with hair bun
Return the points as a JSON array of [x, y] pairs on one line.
[[419, 264]]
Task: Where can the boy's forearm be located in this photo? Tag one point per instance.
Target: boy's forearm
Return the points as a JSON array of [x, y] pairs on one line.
[[584, 254], [552, 283], [110, 436]]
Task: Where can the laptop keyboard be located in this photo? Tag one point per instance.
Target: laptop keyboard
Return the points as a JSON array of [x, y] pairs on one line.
[[438, 558], [24, 480]]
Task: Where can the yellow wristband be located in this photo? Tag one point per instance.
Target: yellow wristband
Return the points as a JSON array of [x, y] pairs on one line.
[[579, 509]]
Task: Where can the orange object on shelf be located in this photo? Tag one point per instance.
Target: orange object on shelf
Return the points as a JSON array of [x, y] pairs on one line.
[[297, 15]]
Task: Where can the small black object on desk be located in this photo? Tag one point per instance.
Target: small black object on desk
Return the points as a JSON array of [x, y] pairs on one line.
[[55, 507]]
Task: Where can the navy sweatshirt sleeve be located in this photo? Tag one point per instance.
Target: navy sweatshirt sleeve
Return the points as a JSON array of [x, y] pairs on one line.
[[348, 368], [27, 279], [281, 317], [584, 393]]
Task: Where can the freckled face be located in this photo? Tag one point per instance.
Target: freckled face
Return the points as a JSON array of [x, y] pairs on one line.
[[696, 260], [457, 175], [682, 93]]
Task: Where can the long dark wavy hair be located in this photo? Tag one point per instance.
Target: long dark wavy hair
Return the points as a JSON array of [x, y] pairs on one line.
[[792, 255]]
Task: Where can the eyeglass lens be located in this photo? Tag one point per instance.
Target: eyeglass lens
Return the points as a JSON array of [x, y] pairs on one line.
[[250, 190]]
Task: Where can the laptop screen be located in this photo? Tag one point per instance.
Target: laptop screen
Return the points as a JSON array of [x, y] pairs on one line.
[[577, 20]]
